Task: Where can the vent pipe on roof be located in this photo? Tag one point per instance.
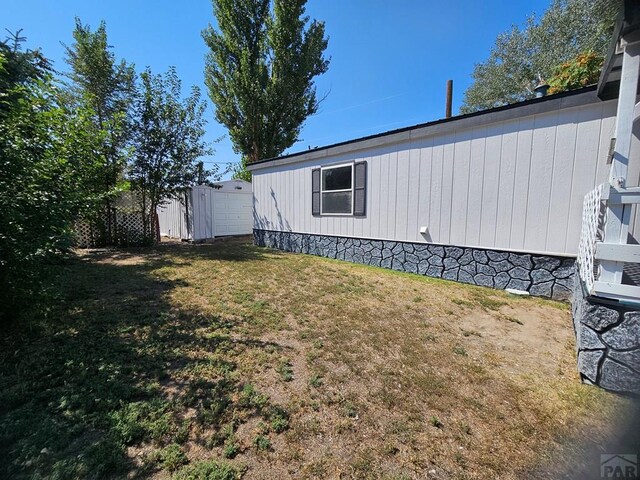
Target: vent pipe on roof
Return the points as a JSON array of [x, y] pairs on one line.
[[447, 112], [541, 87], [541, 90]]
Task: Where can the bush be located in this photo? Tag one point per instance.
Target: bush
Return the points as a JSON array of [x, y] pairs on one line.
[[45, 151], [577, 73]]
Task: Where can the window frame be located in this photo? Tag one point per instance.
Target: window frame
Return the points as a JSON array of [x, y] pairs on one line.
[[352, 189]]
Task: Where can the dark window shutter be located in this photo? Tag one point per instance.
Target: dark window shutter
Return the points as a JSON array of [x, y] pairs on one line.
[[360, 190], [315, 191]]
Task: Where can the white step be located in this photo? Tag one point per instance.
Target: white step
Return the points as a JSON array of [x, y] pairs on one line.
[[630, 293], [618, 252]]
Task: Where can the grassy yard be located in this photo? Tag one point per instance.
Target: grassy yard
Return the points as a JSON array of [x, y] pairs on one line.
[[230, 361]]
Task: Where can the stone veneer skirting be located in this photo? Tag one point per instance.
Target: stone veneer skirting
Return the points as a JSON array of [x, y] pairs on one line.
[[540, 275], [607, 343]]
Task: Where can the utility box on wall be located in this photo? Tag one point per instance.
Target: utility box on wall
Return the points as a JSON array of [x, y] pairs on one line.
[[204, 212]]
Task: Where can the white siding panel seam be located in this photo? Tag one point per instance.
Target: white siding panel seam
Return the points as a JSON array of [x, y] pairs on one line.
[[526, 202], [513, 190], [453, 176], [497, 193], [429, 221], [419, 197]]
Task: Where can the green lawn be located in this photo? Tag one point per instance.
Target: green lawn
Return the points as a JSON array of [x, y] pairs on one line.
[[230, 361]]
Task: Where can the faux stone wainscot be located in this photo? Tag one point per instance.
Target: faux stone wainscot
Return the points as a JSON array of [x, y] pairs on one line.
[[540, 275], [607, 342]]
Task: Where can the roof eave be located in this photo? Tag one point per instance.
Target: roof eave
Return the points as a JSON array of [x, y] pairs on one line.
[[628, 28]]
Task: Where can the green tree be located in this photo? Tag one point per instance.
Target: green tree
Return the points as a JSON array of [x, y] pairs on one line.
[[168, 141], [100, 84], [46, 151], [260, 73], [567, 29]]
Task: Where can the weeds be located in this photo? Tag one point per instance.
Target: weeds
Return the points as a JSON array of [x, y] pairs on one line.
[[209, 470], [250, 398], [262, 442], [511, 319], [278, 419], [172, 457], [231, 447], [350, 410], [435, 421], [465, 428], [315, 381], [285, 370], [460, 350]]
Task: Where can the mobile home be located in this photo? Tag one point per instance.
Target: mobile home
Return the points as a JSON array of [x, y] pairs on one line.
[[536, 197]]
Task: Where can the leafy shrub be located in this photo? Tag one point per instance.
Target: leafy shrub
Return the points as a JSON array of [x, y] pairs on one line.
[[583, 70], [46, 153]]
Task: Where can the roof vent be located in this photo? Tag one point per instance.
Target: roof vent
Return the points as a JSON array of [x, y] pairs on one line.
[[541, 88]]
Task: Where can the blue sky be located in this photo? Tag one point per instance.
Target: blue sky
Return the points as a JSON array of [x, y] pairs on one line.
[[389, 60]]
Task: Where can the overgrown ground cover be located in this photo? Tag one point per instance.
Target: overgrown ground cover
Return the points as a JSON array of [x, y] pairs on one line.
[[230, 361]]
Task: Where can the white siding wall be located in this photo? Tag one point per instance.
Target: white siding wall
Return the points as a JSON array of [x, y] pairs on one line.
[[172, 219], [516, 184]]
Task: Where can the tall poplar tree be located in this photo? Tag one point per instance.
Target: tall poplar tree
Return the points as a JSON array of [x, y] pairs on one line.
[[260, 72]]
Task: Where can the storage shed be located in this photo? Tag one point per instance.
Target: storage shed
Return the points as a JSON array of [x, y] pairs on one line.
[[205, 212]]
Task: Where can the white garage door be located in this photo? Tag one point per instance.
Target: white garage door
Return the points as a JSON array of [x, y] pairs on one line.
[[233, 213]]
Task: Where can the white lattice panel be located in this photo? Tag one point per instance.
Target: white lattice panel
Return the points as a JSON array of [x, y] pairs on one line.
[[122, 227], [593, 214]]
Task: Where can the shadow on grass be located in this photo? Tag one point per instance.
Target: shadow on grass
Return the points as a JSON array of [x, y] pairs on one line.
[[113, 365]]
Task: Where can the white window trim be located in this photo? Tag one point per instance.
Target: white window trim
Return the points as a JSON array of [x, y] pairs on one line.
[[352, 189]]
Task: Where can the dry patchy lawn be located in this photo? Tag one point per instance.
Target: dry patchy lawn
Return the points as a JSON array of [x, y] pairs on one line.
[[230, 361]]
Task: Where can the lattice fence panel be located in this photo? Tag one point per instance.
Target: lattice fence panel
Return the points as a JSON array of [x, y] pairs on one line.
[[593, 218], [123, 226]]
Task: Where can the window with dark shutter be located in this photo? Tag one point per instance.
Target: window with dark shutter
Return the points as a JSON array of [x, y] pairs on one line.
[[340, 189], [315, 191], [360, 189], [336, 190]]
